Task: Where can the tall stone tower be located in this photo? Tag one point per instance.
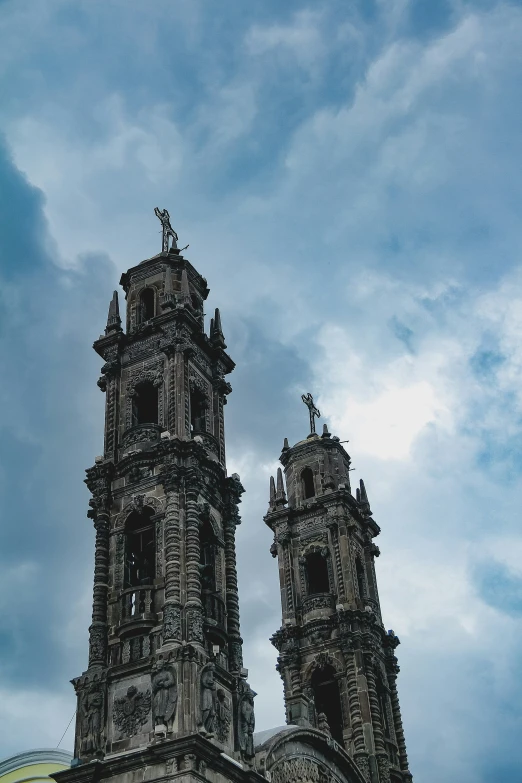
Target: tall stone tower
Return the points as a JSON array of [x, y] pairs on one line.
[[165, 692], [336, 659]]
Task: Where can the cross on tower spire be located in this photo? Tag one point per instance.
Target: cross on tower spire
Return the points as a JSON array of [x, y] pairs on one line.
[[313, 411]]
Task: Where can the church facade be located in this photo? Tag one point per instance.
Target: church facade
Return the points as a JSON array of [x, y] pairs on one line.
[[165, 695]]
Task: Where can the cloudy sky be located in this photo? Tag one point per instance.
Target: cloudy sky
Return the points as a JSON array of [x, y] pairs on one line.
[[348, 178]]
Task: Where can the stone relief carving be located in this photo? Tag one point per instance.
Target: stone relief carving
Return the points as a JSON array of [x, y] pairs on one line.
[[195, 625], [304, 770], [97, 643], [164, 696], [130, 713], [139, 434], [171, 622], [246, 719], [91, 721], [208, 700], [137, 503], [223, 715]]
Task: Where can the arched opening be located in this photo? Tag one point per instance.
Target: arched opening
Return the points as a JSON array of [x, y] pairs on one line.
[[147, 305], [328, 700], [307, 478], [140, 551], [145, 404], [198, 407], [361, 580], [317, 573]]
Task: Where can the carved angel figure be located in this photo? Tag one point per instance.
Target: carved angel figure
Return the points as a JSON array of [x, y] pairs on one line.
[[247, 722], [164, 695], [91, 722], [208, 699]]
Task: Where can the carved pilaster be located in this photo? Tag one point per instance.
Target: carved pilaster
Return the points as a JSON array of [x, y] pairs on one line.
[[193, 611], [353, 702], [378, 733], [397, 721], [172, 610], [98, 629], [231, 520]]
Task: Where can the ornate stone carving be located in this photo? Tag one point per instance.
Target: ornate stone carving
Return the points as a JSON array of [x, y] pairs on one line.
[[223, 715], [97, 643], [304, 770], [140, 434], [171, 622], [364, 765], [164, 696], [91, 721], [246, 719], [130, 713], [208, 700], [195, 625]]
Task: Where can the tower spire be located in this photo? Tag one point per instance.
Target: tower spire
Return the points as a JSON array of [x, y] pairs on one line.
[[113, 317], [216, 332]]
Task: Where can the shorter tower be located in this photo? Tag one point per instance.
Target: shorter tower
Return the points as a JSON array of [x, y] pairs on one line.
[[336, 659]]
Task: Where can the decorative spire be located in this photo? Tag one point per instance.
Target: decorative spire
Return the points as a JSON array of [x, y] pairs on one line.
[[313, 411], [168, 299], [280, 496], [362, 498], [272, 493], [216, 332], [113, 318], [286, 445], [326, 434], [185, 290]]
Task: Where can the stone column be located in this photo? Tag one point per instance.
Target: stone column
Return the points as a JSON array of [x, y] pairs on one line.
[[375, 711], [397, 721], [172, 608], [98, 629], [235, 644], [193, 606], [360, 753]]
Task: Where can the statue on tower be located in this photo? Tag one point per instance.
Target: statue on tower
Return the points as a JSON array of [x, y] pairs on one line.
[[313, 411], [164, 217]]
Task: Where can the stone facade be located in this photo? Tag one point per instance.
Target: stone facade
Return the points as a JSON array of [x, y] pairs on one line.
[[165, 694]]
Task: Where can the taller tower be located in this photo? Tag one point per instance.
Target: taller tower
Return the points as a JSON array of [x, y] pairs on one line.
[[336, 659], [165, 689]]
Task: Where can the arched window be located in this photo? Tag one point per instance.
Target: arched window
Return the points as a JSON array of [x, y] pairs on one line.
[[140, 551], [145, 404], [328, 701], [317, 573], [147, 306], [361, 579], [307, 478], [198, 406]]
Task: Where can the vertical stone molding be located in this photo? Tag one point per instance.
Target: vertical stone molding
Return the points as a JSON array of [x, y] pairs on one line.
[[98, 629], [172, 610], [193, 604]]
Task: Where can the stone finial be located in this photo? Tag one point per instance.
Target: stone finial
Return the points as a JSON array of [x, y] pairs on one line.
[[272, 501], [185, 290], [280, 496], [362, 498], [216, 332], [168, 299], [326, 434], [286, 445], [113, 318]]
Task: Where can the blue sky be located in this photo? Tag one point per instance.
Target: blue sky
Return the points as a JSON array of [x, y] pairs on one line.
[[347, 176]]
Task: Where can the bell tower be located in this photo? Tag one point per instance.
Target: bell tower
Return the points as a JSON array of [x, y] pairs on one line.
[[336, 659], [165, 689]]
